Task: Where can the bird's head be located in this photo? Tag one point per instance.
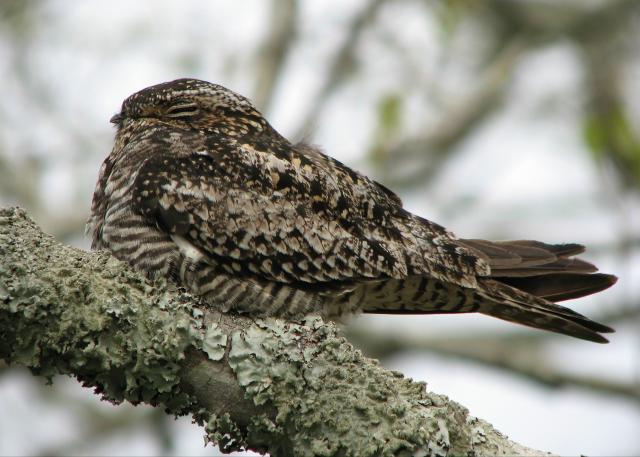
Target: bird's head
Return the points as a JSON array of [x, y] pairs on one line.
[[190, 103]]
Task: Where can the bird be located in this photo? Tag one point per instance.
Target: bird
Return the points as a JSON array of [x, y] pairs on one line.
[[200, 189]]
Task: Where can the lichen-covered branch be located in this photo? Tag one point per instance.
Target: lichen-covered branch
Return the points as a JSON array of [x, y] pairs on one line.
[[269, 385]]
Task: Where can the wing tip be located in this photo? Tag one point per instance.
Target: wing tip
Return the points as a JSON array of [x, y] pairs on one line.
[[511, 304], [596, 338], [593, 332]]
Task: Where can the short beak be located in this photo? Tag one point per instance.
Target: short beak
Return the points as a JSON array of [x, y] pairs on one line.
[[116, 119]]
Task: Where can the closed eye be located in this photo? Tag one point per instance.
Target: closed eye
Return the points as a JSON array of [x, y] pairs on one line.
[[182, 110]]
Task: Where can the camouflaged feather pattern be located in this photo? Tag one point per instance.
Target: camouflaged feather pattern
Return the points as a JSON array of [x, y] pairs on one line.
[[200, 188]]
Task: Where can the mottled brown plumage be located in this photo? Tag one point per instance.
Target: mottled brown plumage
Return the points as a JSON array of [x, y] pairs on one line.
[[200, 188]]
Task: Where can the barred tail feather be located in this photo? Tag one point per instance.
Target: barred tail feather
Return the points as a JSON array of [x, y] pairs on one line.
[[527, 277], [514, 305]]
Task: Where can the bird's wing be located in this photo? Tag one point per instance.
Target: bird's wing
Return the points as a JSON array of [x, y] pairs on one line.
[[282, 218]]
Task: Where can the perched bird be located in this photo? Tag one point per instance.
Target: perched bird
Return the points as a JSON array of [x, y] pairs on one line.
[[200, 188]]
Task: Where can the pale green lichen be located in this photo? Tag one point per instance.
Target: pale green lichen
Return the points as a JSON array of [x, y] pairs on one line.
[[331, 400], [214, 342], [125, 348], [224, 432]]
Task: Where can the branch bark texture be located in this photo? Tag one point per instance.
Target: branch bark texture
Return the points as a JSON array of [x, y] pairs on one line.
[[287, 388]]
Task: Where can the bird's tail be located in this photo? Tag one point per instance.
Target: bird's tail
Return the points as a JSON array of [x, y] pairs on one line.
[[527, 277], [514, 305]]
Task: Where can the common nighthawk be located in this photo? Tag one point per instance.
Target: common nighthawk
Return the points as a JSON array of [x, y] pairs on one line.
[[199, 187]]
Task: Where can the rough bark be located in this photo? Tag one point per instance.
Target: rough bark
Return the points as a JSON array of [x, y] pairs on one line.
[[287, 388]]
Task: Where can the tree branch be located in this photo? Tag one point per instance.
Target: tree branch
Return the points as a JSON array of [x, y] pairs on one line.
[[274, 50], [340, 66], [273, 386], [459, 120]]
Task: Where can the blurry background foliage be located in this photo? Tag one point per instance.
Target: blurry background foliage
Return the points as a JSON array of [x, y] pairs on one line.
[[497, 118]]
